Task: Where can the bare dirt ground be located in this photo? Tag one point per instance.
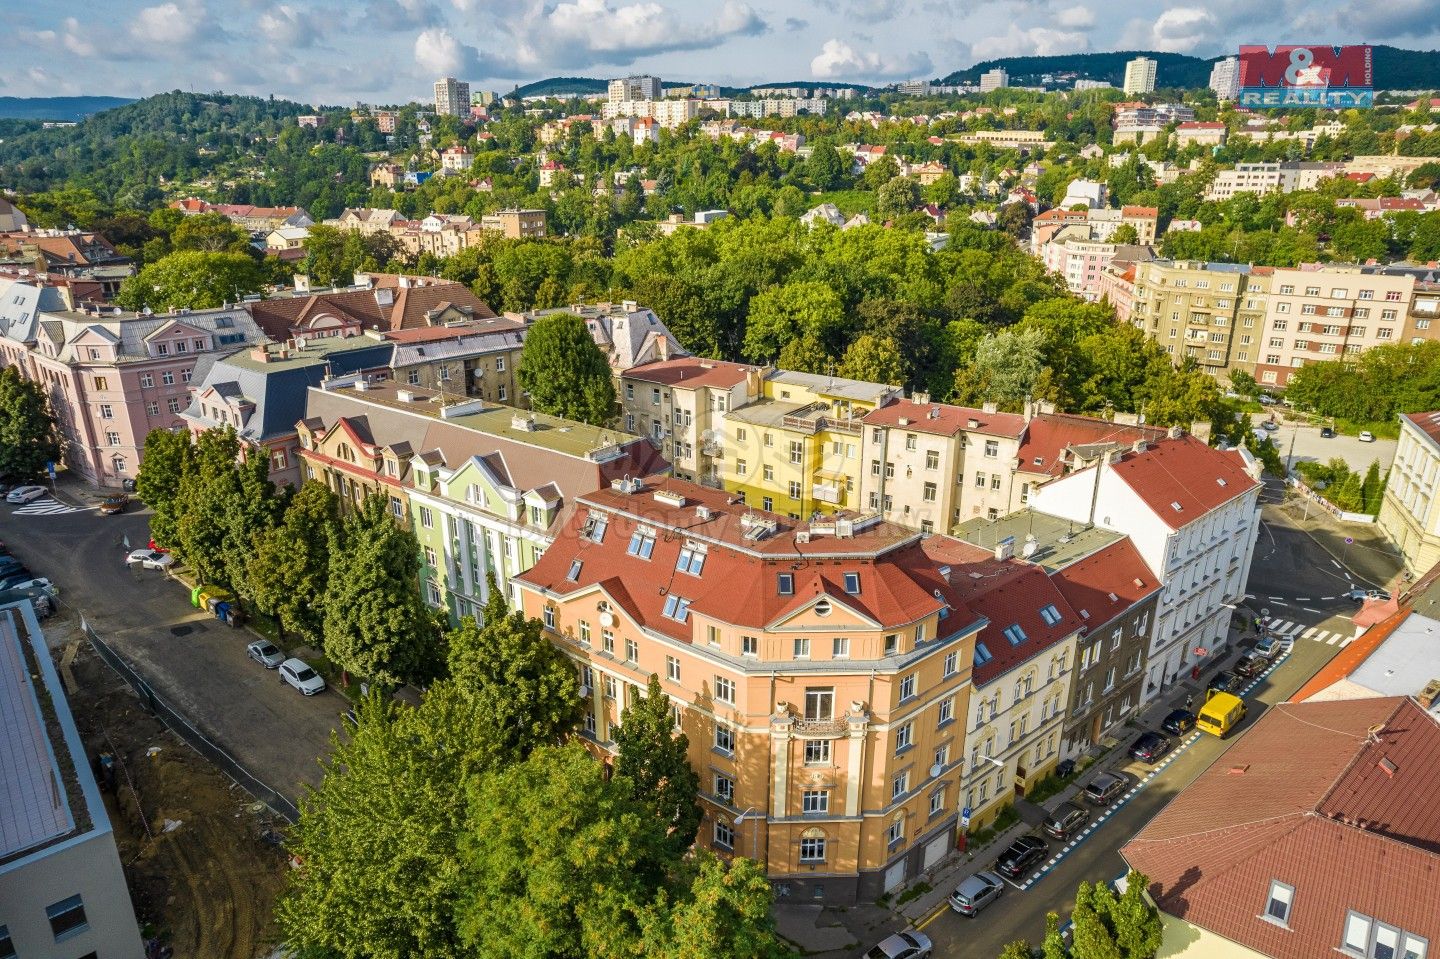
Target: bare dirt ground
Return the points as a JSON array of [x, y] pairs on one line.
[[203, 869]]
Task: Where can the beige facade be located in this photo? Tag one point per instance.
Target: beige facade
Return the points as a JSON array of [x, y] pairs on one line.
[[515, 224], [1211, 312], [1330, 313], [1409, 515], [681, 405]]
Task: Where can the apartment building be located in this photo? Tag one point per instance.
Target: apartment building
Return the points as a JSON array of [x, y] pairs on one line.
[[634, 88], [1409, 515], [1020, 681], [1225, 78], [62, 888], [1106, 582], [797, 444], [1208, 134], [1093, 224], [1313, 837], [1007, 139], [486, 487], [1058, 444], [382, 302], [260, 392], [821, 672], [1262, 178], [1333, 311], [452, 97], [931, 466], [1214, 313], [681, 405], [112, 377], [1193, 514], [994, 80], [1139, 76], [1082, 262], [516, 224], [476, 359]]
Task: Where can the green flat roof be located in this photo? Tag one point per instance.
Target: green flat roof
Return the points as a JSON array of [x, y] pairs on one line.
[[1059, 541]]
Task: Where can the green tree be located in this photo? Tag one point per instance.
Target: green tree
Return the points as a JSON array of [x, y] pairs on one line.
[[1016, 949], [255, 511], [725, 914], [783, 313], [191, 279], [209, 495], [558, 860], [169, 455], [1053, 946], [209, 233], [1139, 930], [1090, 937], [1006, 368], [651, 763], [880, 171], [28, 439], [898, 197], [1179, 397], [1015, 218], [826, 168], [1243, 383], [1125, 233], [564, 371], [375, 624], [875, 360], [290, 564], [524, 689], [1372, 489], [805, 354]]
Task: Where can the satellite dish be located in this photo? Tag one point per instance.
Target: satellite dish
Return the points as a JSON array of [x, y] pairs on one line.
[[607, 619], [936, 770]]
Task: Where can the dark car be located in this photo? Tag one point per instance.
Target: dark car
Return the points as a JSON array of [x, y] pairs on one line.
[[1105, 789], [1327, 433], [1066, 821], [10, 566], [1222, 682], [113, 504], [1179, 722], [1023, 854], [1149, 747], [1251, 665]]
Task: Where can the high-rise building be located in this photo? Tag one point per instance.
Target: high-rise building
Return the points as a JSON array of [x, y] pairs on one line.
[[452, 97], [1140, 75], [634, 88], [994, 80], [1225, 78]]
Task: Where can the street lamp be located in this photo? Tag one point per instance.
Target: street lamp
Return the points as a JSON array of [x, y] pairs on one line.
[[755, 834]]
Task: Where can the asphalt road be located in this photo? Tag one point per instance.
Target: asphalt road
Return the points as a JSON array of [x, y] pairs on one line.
[[1305, 443], [1021, 914], [194, 661]]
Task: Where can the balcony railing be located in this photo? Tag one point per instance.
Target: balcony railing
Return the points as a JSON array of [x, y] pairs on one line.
[[820, 727]]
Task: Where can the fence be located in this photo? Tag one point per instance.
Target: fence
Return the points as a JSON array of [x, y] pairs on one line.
[[1329, 507], [182, 727]]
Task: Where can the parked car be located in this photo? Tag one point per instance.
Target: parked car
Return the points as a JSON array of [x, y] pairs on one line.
[[1366, 436], [1149, 747], [1270, 426], [26, 581], [1251, 665], [1222, 682], [902, 945], [976, 893], [10, 566], [1105, 789], [116, 503], [1066, 821], [1265, 399], [265, 653], [1360, 595], [297, 673], [1327, 433], [1022, 855], [25, 494], [149, 559], [1269, 647], [1179, 722]]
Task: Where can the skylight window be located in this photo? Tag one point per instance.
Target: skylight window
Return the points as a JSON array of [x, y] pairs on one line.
[[852, 584], [677, 608], [1050, 614], [1015, 634], [594, 525], [982, 654], [692, 560], [785, 584], [642, 543], [574, 573]]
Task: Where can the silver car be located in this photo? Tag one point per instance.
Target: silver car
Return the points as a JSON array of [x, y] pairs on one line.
[[902, 945], [297, 673], [976, 893], [265, 653]]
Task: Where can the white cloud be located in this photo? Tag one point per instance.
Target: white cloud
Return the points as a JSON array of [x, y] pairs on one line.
[[1182, 29], [839, 60], [869, 11], [1031, 42], [286, 26], [72, 39], [1075, 18], [167, 23]]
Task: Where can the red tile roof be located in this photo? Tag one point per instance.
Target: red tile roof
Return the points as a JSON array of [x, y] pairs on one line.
[[1186, 472], [1146, 211], [691, 371], [1427, 423], [1106, 583], [943, 419], [1335, 799], [455, 331], [1050, 434]]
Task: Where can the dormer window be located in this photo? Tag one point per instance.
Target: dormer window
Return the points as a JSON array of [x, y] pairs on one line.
[[161, 349], [392, 468], [677, 608], [982, 654], [785, 584]]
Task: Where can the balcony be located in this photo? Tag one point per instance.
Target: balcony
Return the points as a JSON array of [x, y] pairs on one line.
[[826, 493], [821, 727]]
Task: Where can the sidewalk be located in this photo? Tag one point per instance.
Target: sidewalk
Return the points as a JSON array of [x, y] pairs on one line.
[[818, 932], [1369, 556]]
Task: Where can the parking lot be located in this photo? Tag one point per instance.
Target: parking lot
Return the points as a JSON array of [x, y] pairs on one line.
[[192, 660]]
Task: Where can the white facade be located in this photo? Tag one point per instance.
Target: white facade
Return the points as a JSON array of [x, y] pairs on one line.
[[634, 88], [1225, 78], [452, 97], [1140, 75], [994, 79], [1202, 564]]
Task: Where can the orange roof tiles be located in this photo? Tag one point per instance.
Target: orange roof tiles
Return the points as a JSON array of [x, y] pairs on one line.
[[945, 420], [1050, 434], [1186, 472], [691, 371]]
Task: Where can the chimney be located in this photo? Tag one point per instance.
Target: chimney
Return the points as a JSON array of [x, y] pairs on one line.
[[260, 355], [302, 283], [1176, 432], [991, 408], [920, 398]]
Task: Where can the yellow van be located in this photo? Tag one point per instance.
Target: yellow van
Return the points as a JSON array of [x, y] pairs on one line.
[[1221, 713]]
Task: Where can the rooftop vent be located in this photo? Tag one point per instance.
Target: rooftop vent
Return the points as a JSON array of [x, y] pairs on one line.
[[1240, 770], [703, 514], [627, 485], [1388, 768], [972, 423], [405, 396], [1429, 694], [1005, 549], [525, 424], [1177, 507], [904, 421], [1221, 481], [670, 498]]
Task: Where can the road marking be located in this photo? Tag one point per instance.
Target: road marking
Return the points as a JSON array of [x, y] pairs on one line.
[[1327, 597], [1309, 609], [1335, 564], [1249, 595], [1309, 633], [1279, 603], [1303, 599], [47, 507], [933, 916], [1275, 598], [1347, 641], [1332, 640]]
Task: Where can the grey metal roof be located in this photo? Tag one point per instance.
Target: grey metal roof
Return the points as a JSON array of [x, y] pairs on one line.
[[34, 808]]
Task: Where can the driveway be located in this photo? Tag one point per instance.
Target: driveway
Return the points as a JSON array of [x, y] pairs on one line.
[[193, 661]]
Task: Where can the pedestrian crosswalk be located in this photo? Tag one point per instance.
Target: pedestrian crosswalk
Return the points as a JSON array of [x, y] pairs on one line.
[[1293, 631], [47, 507]]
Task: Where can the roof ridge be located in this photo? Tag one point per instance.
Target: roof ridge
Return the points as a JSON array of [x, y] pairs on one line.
[[1365, 744]]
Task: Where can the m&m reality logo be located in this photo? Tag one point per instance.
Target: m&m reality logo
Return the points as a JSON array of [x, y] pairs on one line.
[[1306, 76]]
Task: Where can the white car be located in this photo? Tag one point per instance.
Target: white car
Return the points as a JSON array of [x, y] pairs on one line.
[[150, 559], [297, 673], [265, 653], [1365, 437], [38, 582], [25, 494]]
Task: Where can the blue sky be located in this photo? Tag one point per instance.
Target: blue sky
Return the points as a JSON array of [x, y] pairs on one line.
[[340, 51]]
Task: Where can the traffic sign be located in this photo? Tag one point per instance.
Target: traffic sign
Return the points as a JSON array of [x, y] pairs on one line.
[[965, 818], [50, 468], [1349, 540]]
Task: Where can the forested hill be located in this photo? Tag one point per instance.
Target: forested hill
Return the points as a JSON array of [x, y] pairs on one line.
[[1395, 69], [56, 108], [126, 153]]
